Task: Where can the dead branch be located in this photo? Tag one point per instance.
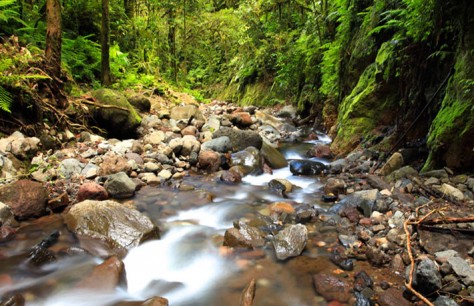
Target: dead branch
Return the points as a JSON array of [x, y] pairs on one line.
[[449, 230], [448, 220], [103, 106], [409, 284]]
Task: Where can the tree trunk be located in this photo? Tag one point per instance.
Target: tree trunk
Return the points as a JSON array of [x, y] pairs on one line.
[[53, 38], [105, 43], [172, 43]]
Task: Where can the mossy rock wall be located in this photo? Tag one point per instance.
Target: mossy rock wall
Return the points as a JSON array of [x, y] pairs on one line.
[[451, 136], [117, 117], [371, 103]]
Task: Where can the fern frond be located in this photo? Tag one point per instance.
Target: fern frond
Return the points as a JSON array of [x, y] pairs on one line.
[[6, 100]]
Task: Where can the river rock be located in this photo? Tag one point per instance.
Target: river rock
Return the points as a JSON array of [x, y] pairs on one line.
[[186, 113], [240, 140], [249, 159], [451, 192], [427, 278], [105, 277], [307, 167], [190, 130], [392, 297], [273, 157], [121, 120], [114, 164], [190, 144], [209, 160], [241, 119], [320, 151], [338, 166], [220, 144], [120, 186], [335, 186], [404, 172], [462, 269], [364, 200], [395, 162], [444, 301], [154, 138], [332, 287], [20, 146], [438, 173], [6, 214], [244, 237], [110, 221], [230, 176], [140, 102], [290, 241], [91, 191], [70, 167], [213, 124], [270, 134], [27, 199]]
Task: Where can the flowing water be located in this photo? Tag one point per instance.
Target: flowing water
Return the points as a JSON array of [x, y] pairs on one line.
[[188, 265]]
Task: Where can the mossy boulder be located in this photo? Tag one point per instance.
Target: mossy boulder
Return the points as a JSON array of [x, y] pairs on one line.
[[117, 116], [371, 103], [451, 136]]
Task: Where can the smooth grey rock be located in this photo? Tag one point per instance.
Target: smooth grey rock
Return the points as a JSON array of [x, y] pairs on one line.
[[273, 157], [290, 241], [462, 269], [395, 162], [110, 221], [364, 199], [451, 192], [404, 172], [213, 124], [120, 186], [190, 144], [70, 167], [220, 144], [440, 174], [444, 301], [444, 255], [240, 139]]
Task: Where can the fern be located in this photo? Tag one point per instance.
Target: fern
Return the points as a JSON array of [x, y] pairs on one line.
[[6, 100]]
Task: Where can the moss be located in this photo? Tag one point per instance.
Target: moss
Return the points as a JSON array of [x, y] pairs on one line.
[[451, 136], [370, 103]]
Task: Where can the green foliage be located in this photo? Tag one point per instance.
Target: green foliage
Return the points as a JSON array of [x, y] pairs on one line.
[[81, 57]]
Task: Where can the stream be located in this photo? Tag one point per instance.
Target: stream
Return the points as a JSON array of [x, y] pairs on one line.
[[188, 265]]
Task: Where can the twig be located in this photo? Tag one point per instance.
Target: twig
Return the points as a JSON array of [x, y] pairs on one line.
[[450, 230], [409, 284], [448, 220]]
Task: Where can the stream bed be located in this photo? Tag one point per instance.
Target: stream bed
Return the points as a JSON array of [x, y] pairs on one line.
[[188, 265]]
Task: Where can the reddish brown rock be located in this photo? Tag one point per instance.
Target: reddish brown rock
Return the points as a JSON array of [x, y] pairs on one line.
[[209, 160], [242, 119], [189, 130], [27, 199], [7, 233], [281, 207], [392, 297], [331, 287], [248, 294], [231, 177], [114, 164], [106, 276], [92, 191], [320, 151], [58, 203]]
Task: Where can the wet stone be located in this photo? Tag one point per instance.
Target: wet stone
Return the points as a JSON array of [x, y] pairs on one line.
[[427, 278], [290, 241], [444, 301], [392, 297], [331, 287]]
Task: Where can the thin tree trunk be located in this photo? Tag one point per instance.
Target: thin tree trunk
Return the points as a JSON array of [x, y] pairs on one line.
[[53, 38], [105, 43], [172, 43]]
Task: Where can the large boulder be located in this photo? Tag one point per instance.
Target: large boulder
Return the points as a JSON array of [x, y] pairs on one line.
[[27, 199], [140, 102], [110, 221], [240, 140], [117, 116]]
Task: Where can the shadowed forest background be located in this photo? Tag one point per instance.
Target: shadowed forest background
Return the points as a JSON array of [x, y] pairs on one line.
[[382, 74]]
